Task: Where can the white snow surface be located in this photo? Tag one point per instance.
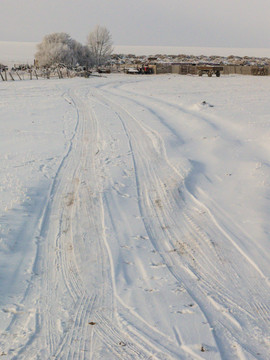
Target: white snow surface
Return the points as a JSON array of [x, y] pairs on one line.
[[134, 218]]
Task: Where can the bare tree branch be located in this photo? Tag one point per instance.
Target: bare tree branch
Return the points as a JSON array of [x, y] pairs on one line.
[[100, 44]]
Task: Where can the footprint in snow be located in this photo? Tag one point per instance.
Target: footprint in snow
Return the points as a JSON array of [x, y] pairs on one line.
[[151, 290], [178, 290], [126, 247], [153, 265], [125, 195], [128, 263], [183, 312]]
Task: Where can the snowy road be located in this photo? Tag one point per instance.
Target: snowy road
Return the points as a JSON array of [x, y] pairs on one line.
[[135, 218]]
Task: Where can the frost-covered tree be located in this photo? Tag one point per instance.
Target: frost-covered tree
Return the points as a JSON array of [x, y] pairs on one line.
[[100, 44], [61, 48], [83, 54]]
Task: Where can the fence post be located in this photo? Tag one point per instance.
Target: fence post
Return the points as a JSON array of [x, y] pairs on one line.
[[59, 72], [18, 75]]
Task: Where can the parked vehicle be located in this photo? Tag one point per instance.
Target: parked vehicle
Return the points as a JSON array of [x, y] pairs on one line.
[[209, 70]]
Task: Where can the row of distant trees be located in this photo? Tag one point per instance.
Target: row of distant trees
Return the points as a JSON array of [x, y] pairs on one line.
[[59, 48]]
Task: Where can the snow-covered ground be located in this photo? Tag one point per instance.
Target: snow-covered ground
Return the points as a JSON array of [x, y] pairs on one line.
[[134, 218]]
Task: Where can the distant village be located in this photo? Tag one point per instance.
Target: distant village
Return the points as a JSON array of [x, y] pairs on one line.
[[191, 64], [121, 59]]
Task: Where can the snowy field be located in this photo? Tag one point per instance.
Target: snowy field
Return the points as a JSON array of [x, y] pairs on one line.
[[134, 218]]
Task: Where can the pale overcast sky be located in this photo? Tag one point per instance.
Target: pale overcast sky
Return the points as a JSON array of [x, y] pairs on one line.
[[213, 23]]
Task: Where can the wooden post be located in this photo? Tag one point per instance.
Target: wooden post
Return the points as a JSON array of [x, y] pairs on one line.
[[18, 75], [60, 74], [2, 76], [5, 74], [30, 72]]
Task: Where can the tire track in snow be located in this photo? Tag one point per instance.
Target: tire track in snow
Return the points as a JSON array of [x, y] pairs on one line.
[[131, 135], [104, 298], [77, 341], [192, 114], [20, 321], [65, 261], [233, 322], [160, 211], [59, 284], [197, 115], [137, 342]]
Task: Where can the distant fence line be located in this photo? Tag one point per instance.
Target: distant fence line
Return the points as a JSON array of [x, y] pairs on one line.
[[30, 73]]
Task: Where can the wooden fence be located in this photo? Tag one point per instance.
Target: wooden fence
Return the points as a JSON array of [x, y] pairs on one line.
[[33, 73]]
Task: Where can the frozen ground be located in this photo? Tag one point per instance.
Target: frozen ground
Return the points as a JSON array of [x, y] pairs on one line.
[[134, 218]]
